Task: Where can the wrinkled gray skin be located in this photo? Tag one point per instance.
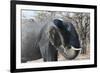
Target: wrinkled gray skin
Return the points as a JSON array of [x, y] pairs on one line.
[[29, 33], [48, 51], [46, 42]]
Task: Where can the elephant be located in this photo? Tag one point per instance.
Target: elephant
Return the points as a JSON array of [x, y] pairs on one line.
[[56, 36]]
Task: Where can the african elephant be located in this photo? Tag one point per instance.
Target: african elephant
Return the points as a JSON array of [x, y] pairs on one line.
[[58, 35]]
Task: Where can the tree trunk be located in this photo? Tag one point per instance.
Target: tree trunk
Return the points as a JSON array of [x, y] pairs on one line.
[[84, 46]]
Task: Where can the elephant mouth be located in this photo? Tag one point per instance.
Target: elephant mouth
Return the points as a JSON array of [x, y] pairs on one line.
[[70, 53]]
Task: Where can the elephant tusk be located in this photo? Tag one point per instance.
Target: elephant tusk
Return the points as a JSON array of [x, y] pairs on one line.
[[76, 48]]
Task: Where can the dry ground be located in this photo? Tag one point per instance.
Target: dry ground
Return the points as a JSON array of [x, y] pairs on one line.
[[61, 58]]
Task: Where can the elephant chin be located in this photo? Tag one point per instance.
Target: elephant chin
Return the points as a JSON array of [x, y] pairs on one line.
[[71, 53]]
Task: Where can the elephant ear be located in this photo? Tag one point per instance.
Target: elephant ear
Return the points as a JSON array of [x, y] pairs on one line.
[[74, 38]]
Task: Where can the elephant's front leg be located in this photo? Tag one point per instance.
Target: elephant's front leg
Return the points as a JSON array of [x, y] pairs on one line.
[[50, 53]]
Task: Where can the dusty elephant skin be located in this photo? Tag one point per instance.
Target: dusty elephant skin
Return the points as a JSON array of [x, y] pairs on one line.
[[29, 35]]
